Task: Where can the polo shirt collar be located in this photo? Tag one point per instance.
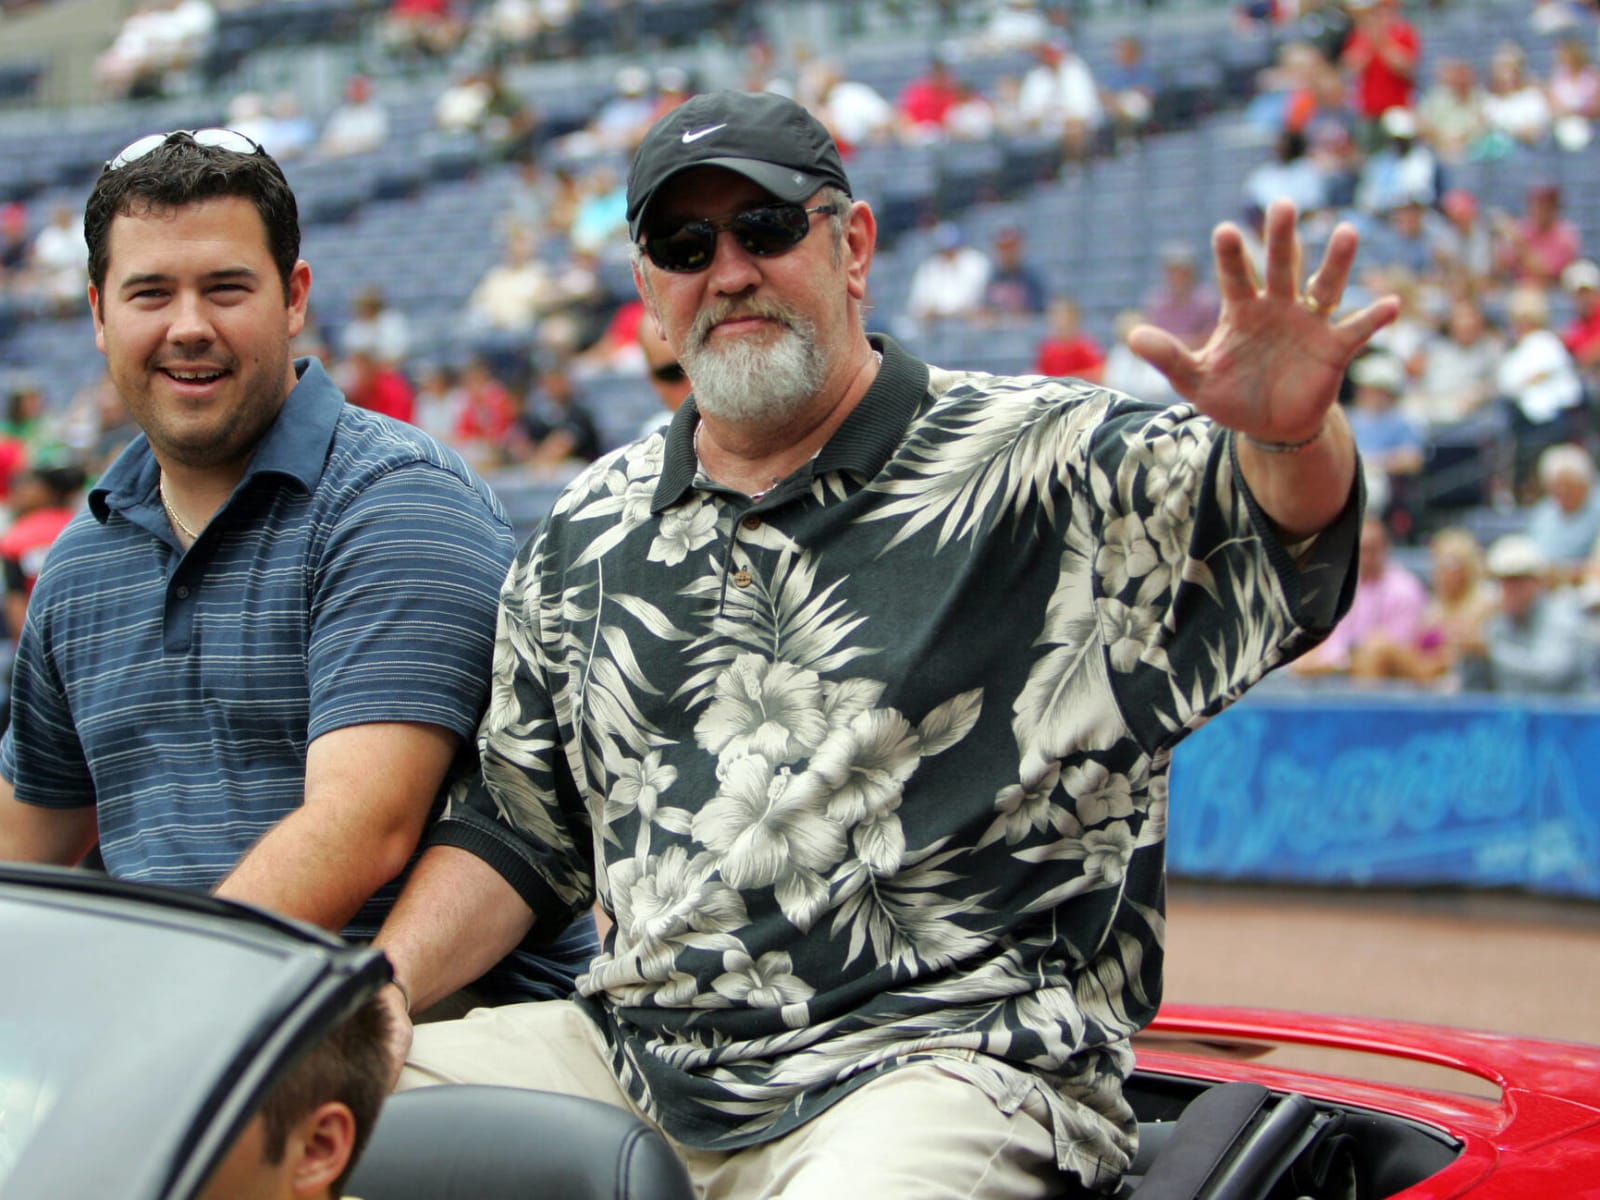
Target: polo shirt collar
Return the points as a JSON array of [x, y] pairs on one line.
[[863, 443], [295, 446]]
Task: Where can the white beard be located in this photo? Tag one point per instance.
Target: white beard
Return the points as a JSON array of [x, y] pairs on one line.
[[755, 382]]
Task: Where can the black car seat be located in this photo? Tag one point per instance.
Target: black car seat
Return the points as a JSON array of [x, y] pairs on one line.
[[473, 1142]]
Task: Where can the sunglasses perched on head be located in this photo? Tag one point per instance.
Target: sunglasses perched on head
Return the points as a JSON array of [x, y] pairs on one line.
[[218, 139], [766, 231]]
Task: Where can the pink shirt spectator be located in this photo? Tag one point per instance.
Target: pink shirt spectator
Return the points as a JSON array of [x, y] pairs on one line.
[[1391, 604]]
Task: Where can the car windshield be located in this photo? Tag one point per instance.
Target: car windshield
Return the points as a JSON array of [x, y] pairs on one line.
[[114, 1034]]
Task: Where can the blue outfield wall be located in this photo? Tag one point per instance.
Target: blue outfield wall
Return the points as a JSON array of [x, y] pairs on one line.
[[1385, 789]]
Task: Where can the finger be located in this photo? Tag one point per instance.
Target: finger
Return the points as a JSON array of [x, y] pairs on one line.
[[1326, 286], [1166, 354], [1356, 330], [1236, 278], [1283, 251]]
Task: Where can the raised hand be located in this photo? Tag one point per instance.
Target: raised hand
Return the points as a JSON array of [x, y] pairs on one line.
[[1272, 367]]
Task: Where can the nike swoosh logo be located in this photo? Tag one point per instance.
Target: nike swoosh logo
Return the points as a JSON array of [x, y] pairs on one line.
[[697, 134]]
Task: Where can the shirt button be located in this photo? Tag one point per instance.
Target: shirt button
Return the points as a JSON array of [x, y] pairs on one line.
[[742, 578], [183, 592], [751, 522]]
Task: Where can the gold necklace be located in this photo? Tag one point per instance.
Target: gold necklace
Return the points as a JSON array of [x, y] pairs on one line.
[[172, 514]]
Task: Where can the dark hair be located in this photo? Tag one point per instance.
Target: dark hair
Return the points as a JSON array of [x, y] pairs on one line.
[[181, 173], [350, 1065]]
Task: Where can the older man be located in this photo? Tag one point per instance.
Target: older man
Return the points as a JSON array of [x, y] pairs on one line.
[[853, 700]]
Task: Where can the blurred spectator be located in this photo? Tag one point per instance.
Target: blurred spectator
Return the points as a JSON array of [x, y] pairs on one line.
[[1406, 243], [925, 102], [1128, 89], [1402, 169], [487, 414], [1582, 333], [247, 114], [1387, 611], [157, 42], [949, 282], [96, 428], [58, 263], [1405, 336], [1066, 351], [666, 375], [44, 497], [510, 296], [1573, 92], [1535, 248], [1564, 523], [1015, 287], [1301, 88], [369, 383], [290, 133], [1389, 441], [854, 112], [1451, 112], [1456, 376], [1290, 173], [1535, 642], [555, 427], [439, 401], [623, 117], [1516, 106], [1011, 25], [1059, 96], [376, 329], [1464, 245], [482, 103], [1539, 381], [359, 125], [1182, 303], [1380, 56], [1461, 601], [532, 203], [973, 117], [25, 432], [600, 216], [413, 30]]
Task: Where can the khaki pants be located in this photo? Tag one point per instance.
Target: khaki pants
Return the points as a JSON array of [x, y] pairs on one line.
[[919, 1133]]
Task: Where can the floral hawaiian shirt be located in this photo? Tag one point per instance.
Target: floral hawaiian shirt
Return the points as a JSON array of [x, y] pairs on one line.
[[875, 769]]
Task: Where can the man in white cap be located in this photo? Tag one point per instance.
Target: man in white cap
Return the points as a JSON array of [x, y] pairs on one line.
[[1536, 642], [852, 700], [1582, 333]]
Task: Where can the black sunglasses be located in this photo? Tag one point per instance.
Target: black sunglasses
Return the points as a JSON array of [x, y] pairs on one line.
[[219, 139], [766, 232], [668, 373]]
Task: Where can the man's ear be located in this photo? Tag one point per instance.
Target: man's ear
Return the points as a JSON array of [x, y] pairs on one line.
[[320, 1146]]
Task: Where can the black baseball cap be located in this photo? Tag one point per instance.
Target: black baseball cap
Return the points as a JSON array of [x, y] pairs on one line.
[[767, 138]]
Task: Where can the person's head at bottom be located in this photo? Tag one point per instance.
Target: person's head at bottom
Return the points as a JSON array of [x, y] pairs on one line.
[[303, 1142]]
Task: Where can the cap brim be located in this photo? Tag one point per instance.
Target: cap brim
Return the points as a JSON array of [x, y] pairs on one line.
[[785, 183]]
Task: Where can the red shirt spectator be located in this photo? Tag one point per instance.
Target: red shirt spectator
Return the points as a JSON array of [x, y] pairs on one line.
[[1381, 53], [1582, 334], [1066, 350], [926, 101], [381, 388], [489, 411]]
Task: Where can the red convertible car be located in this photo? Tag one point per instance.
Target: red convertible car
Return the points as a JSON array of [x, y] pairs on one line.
[[140, 1028]]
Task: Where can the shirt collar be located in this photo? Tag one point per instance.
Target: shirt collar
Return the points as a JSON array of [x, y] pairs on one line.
[[862, 444], [295, 446]]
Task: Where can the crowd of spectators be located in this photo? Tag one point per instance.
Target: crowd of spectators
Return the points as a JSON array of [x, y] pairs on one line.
[[1498, 345]]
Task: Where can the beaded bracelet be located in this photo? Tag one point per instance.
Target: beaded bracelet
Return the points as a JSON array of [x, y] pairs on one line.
[[1284, 447]]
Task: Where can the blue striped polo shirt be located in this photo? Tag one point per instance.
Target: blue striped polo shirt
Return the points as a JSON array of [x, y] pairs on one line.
[[350, 578]]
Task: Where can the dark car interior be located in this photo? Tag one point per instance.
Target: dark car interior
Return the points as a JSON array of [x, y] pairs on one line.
[[1233, 1141]]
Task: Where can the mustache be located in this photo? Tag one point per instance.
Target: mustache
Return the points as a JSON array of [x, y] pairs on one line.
[[725, 310]]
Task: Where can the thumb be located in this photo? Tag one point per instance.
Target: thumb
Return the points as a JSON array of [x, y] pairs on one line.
[[1166, 354]]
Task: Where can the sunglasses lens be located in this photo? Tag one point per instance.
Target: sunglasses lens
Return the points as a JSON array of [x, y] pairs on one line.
[[764, 232], [219, 139], [689, 247], [771, 230], [669, 372], [137, 150]]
